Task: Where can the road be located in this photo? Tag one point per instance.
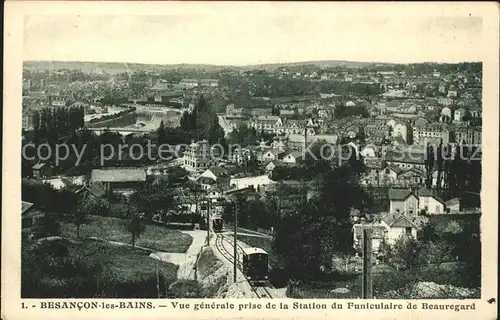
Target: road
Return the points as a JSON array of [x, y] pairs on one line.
[[186, 261]]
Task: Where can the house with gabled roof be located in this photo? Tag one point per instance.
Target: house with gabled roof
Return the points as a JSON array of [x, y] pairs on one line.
[[214, 192], [430, 202], [403, 201], [386, 228], [399, 225], [215, 196], [29, 215], [293, 157], [268, 155], [453, 206], [270, 165], [411, 177], [41, 170], [217, 174], [391, 173], [205, 183], [91, 189]]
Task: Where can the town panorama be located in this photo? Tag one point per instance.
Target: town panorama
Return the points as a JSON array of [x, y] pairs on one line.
[[328, 179]]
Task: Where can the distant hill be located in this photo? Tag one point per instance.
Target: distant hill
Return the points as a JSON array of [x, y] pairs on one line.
[[116, 67], [122, 67], [112, 67], [323, 64]]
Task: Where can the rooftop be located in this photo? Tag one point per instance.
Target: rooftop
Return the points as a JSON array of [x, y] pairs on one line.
[[399, 194], [267, 118], [395, 168], [295, 154], [119, 174], [249, 251], [218, 171], [96, 189], [405, 156], [399, 221], [424, 192], [39, 166], [25, 206]]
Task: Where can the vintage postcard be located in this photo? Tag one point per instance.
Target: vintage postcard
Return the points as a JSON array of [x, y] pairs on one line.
[[198, 160]]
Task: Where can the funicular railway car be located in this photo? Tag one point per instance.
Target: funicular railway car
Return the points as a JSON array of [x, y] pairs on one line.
[[255, 265], [217, 224]]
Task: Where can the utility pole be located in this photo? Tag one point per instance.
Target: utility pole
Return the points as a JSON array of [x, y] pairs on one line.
[[158, 280], [367, 263], [235, 253], [158, 275], [208, 221]]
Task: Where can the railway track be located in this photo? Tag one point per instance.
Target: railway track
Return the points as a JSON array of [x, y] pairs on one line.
[[261, 292], [219, 244]]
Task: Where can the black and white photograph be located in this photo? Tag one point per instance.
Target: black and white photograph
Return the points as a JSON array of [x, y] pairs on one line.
[[259, 156]]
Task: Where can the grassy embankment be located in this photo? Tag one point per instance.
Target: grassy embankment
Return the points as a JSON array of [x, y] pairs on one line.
[[84, 268], [113, 229], [92, 269]]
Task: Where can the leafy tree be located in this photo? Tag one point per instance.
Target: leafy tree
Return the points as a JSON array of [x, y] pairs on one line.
[[48, 226], [161, 133], [134, 224], [154, 197], [89, 206], [202, 122], [404, 254], [320, 228], [196, 194], [340, 191], [46, 198], [429, 165], [384, 250], [441, 153], [437, 252], [176, 175], [79, 218]]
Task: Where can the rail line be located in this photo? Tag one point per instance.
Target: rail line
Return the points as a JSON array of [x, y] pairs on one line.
[[261, 292]]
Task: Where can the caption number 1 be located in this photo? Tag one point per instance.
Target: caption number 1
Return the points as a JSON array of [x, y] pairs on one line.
[[23, 306]]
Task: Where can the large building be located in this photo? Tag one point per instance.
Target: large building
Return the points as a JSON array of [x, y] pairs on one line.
[[468, 136], [189, 83], [122, 180], [200, 156], [405, 159], [431, 133], [271, 124], [209, 83]]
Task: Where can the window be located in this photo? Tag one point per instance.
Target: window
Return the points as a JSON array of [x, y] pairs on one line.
[[408, 231]]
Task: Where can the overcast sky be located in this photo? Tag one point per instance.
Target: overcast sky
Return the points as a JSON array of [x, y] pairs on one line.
[[252, 38]]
